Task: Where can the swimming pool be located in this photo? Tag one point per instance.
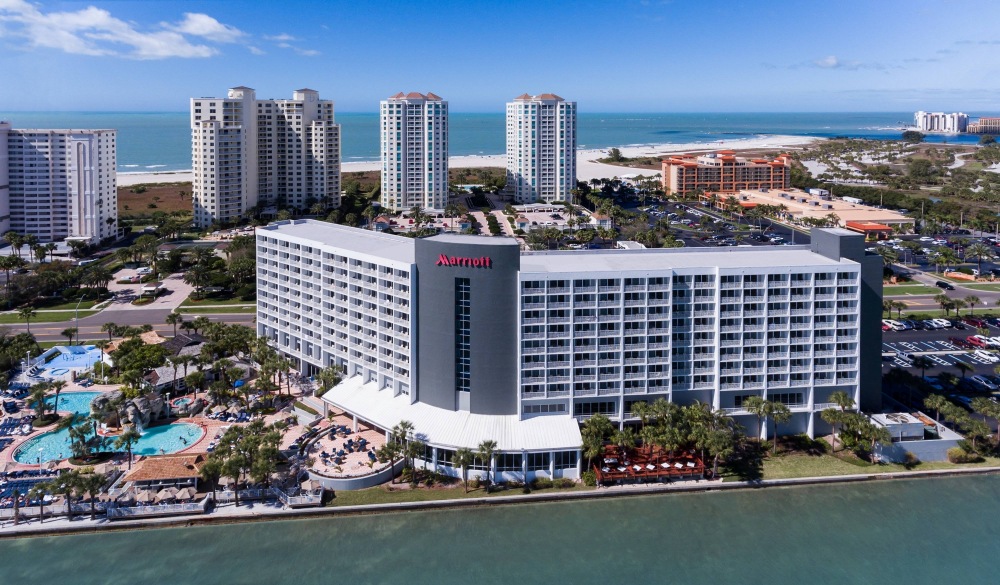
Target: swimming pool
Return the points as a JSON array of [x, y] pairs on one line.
[[55, 445]]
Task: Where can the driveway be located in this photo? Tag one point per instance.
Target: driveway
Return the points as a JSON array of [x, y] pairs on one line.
[[176, 291]]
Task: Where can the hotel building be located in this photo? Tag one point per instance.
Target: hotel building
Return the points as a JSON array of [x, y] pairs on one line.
[[247, 152], [58, 184], [541, 148], [414, 138], [470, 339], [941, 122], [724, 172], [984, 126]]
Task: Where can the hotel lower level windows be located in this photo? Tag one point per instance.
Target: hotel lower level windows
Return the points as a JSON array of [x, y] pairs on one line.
[[463, 330]]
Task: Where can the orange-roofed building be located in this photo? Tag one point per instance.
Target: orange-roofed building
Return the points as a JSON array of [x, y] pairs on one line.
[[724, 172], [871, 229]]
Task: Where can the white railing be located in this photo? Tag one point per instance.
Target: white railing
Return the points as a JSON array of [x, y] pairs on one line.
[[155, 510]]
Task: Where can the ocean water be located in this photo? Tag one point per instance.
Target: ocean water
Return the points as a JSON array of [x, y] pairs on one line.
[[161, 141], [912, 532]]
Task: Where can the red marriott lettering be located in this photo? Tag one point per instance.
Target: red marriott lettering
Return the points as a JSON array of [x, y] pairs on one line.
[[481, 262]]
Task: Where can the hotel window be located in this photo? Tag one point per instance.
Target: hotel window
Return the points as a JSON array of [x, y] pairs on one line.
[[463, 329], [564, 459], [538, 461], [509, 461]]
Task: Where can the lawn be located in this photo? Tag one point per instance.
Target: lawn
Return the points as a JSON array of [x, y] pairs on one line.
[[43, 317], [799, 464], [984, 286], [380, 495], [909, 289], [211, 302], [57, 303], [218, 309]]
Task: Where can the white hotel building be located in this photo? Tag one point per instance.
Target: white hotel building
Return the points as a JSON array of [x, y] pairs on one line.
[[472, 340], [414, 139], [954, 123], [59, 184], [247, 152], [541, 148]]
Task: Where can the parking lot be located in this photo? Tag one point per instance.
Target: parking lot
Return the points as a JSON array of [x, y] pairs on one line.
[[934, 345], [683, 216]]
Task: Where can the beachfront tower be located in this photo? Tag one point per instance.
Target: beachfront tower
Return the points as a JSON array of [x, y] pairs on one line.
[[541, 148], [266, 154], [59, 184], [414, 130]]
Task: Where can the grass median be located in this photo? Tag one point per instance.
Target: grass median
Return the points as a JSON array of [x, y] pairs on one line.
[[44, 317], [909, 289], [217, 309]]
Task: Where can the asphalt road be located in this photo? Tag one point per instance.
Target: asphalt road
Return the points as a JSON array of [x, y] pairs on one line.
[[90, 327]]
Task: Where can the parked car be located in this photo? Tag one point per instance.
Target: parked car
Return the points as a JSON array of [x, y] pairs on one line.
[[992, 321], [957, 324], [959, 342], [931, 324], [944, 323], [944, 285], [983, 382], [976, 341], [985, 355], [976, 322], [886, 326], [934, 383]]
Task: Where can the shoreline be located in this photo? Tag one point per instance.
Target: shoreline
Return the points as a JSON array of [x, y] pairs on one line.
[[587, 167], [268, 513]]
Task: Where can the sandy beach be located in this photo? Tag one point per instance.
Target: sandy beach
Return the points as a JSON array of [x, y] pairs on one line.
[[586, 167]]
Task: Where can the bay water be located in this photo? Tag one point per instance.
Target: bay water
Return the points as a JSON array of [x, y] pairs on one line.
[[923, 531], [161, 141]]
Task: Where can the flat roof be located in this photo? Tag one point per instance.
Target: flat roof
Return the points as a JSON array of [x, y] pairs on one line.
[[671, 258], [312, 232], [454, 429], [845, 210]]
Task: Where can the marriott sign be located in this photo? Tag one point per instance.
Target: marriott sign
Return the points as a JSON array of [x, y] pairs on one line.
[[481, 262]]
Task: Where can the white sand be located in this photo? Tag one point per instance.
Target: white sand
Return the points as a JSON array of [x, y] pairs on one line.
[[586, 168]]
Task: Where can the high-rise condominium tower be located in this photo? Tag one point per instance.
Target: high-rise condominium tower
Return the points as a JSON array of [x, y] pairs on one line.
[[58, 184], [248, 152], [541, 148], [414, 151]]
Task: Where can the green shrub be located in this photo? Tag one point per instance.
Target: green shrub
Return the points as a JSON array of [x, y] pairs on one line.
[[563, 483], [246, 293], [474, 483], [305, 407], [541, 483], [958, 455], [589, 478]]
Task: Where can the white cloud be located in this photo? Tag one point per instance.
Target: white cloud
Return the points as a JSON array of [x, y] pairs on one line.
[[203, 25], [94, 31], [255, 50], [307, 52], [282, 38], [830, 62]]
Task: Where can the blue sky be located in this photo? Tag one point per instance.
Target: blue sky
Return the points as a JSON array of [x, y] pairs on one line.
[[628, 55]]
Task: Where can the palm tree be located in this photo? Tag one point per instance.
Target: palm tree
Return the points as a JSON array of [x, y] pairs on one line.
[[27, 313], [979, 252], [936, 402], [174, 319], [971, 301], [779, 413], [963, 368], [756, 406], [834, 417], [125, 441], [945, 302], [485, 453], [57, 386], [624, 440], [923, 362], [36, 398], [197, 276], [898, 306], [102, 345], [110, 329], [69, 332], [462, 459], [93, 484]]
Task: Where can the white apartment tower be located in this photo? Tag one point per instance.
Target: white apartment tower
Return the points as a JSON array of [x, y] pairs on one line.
[[247, 152], [541, 148], [59, 184], [954, 123], [414, 151]]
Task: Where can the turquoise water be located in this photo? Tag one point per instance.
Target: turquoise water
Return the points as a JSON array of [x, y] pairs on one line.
[[913, 532], [152, 141], [55, 445]]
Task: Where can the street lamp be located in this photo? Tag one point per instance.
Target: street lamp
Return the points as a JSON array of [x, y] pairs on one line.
[[40, 451], [168, 406]]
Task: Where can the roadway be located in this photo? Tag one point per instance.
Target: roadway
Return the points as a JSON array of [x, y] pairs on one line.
[[90, 327]]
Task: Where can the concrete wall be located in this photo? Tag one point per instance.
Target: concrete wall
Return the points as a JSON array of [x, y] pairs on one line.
[[839, 243], [494, 318], [936, 450]]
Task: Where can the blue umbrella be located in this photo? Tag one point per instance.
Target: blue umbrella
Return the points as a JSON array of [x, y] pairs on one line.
[[238, 383]]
